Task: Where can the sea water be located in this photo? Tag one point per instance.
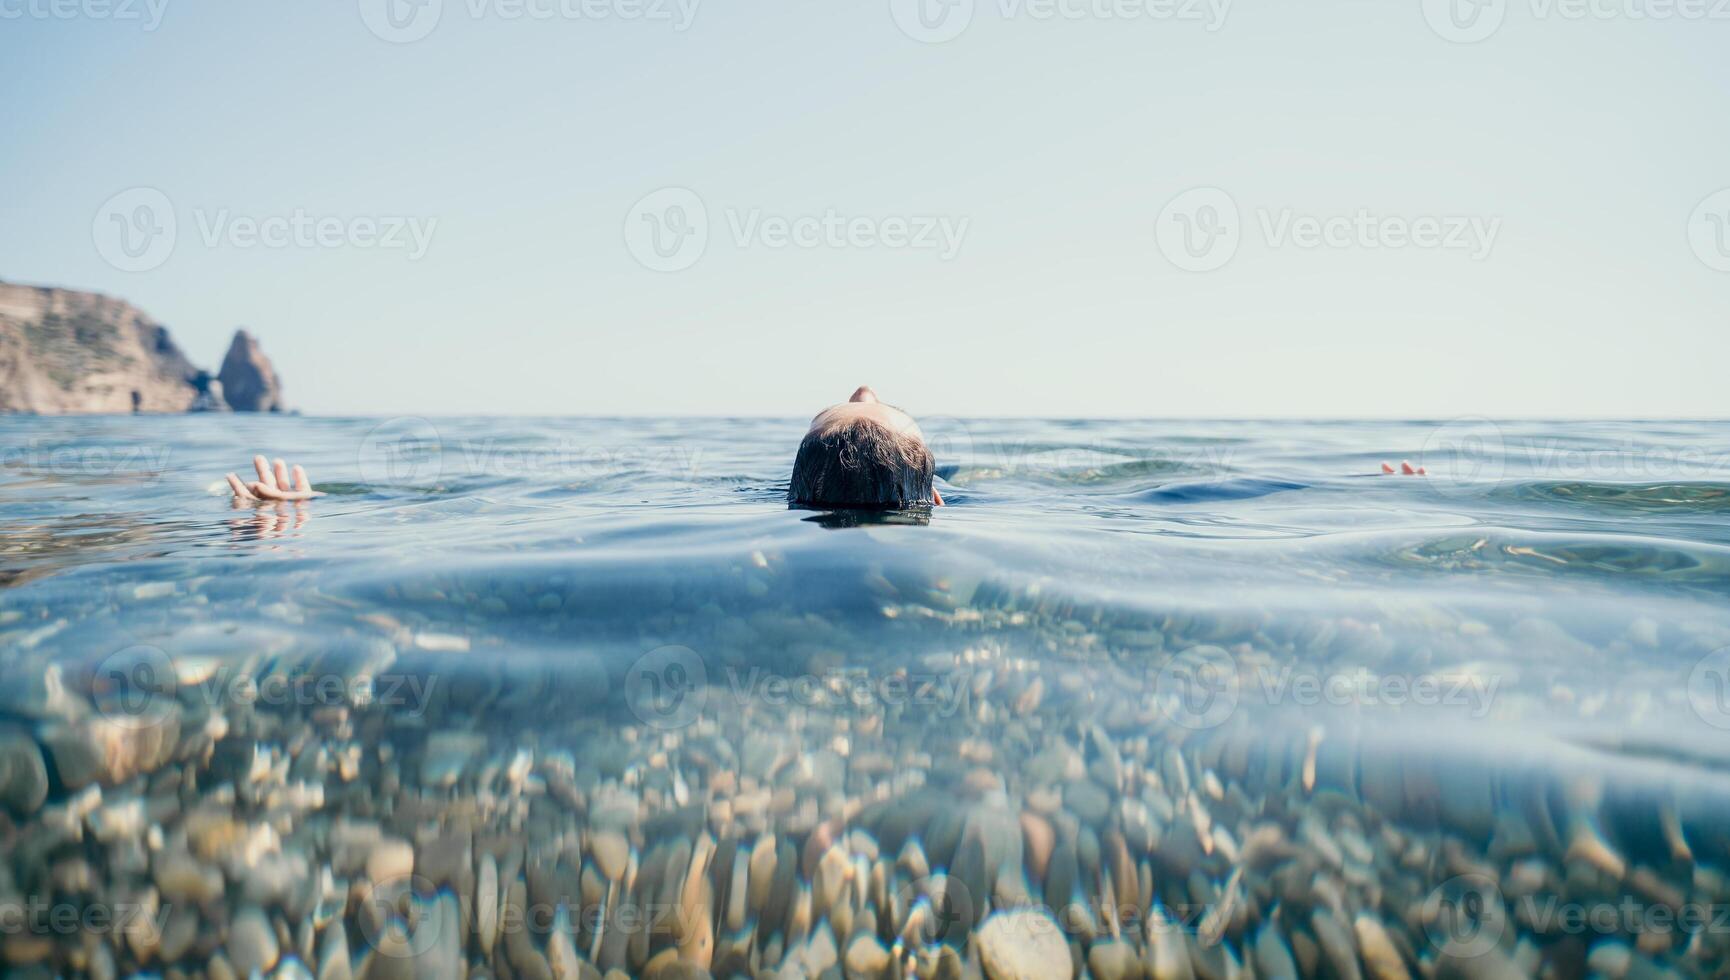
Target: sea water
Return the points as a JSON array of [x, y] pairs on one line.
[[549, 697]]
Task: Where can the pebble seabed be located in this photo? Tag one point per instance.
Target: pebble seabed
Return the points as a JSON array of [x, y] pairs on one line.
[[1045, 822]]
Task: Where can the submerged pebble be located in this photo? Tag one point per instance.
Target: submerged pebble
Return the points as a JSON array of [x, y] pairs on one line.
[[1023, 946], [1022, 821]]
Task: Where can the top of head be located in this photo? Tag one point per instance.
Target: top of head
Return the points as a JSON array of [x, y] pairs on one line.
[[863, 454]]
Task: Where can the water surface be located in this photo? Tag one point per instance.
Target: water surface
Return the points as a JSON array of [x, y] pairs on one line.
[[1536, 632]]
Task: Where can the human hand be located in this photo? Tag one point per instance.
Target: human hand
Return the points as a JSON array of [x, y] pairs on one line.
[[1406, 469], [272, 485]]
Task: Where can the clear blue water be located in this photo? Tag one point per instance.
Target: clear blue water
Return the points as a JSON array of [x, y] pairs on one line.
[[1587, 558], [1543, 616]]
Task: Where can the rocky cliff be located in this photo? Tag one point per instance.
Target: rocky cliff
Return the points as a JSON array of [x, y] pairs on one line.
[[63, 351], [249, 381]]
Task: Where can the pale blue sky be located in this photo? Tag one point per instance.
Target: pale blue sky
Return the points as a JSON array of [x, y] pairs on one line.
[[1052, 145]]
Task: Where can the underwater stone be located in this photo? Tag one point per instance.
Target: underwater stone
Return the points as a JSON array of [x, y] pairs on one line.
[[23, 775], [448, 754], [1113, 960], [866, 958], [333, 958], [178, 933], [762, 872], [1336, 944], [1273, 958], [1381, 958], [1088, 801], [391, 859], [1038, 839], [486, 910], [181, 878], [252, 943], [612, 852], [39, 693], [1167, 952], [103, 750], [442, 958], [1023, 945]]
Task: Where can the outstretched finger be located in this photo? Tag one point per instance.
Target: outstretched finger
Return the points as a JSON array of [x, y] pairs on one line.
[[239, 488], [262, 465], [1386, 468], [282, 476], [301, 483], [277, 493]]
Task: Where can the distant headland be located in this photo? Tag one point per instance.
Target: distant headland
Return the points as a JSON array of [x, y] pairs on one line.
[[70, 352]]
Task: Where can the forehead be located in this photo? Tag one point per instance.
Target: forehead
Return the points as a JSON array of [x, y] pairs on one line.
[[888, 415]]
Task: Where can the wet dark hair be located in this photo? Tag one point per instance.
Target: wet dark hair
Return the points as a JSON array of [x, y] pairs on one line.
[[862, 464]]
